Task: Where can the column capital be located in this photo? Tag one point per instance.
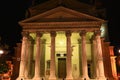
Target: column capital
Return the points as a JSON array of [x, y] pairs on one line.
[[38, 34], [68, 33], [18, 44], [97, 32], [111, 50], [107, 43], [53, 34], [43, 41], [79, 41], [25, 34], [103, 38], [30, 38], [83, 33], [92, 38]]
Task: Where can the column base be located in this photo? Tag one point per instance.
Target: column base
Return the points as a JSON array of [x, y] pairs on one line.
[[111, 78], [115, 78], [101, 78], [20, 78], [52, 78], [69, 78], [84, 79], [37, 78]]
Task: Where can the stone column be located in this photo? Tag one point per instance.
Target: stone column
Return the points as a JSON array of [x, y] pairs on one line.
[[69, 55], [80, 59], [42, 63], [27, 59], [94, 52], [113, 63], [23, 57], [30, 63], [84, 57], [99, 56], [52, 61], [37, 57]]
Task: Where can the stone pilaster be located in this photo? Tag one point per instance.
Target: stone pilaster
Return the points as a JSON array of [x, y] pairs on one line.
[[16, 61], [107, 61], [23, 56], [69, 55], [52, 62], [99, 56], [84, 57], [113, 63], [37, 57]]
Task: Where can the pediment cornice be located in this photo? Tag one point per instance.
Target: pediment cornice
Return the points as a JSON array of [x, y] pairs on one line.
[[62, 19], [61, 14], [72, 4], [62, 26]]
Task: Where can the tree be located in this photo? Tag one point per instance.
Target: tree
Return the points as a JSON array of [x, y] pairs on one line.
[[3, 67]]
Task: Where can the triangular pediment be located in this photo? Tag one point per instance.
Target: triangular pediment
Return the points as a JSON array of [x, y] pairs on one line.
[[72, 4], [60, 14]]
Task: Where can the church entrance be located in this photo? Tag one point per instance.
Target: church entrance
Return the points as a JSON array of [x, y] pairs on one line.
[[61, 68]]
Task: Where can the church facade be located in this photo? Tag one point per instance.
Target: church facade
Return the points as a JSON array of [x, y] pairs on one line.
[[62, 39]]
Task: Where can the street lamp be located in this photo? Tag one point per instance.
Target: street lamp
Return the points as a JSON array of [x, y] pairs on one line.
[[1, 52], [118, 57], [118, 51], [118, 63]]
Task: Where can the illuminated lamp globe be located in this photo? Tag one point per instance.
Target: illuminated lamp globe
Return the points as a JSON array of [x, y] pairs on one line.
[[1, 52]]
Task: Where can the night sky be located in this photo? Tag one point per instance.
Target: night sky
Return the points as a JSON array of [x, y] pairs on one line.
[[12, 11]]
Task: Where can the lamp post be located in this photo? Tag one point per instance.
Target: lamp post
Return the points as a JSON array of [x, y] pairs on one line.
[[4, 66], [4, 49], [1, 52], [118, 57], [118, 63]]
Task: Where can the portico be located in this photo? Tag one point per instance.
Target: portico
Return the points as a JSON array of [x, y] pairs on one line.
[[62, 43], [68, 49]]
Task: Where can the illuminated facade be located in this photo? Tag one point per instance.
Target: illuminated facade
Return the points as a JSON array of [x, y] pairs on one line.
[[62, 39]]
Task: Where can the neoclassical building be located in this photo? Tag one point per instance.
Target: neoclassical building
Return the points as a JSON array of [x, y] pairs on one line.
[[65, 40]]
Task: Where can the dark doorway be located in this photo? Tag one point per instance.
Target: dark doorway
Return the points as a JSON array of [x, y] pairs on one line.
[[62, 68]]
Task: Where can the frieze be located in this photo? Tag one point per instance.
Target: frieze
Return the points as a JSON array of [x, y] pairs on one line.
[[70, 29], [61, 24]]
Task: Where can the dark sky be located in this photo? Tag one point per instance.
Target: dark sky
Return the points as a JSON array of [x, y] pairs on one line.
[[13, 11], [113, 15]]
